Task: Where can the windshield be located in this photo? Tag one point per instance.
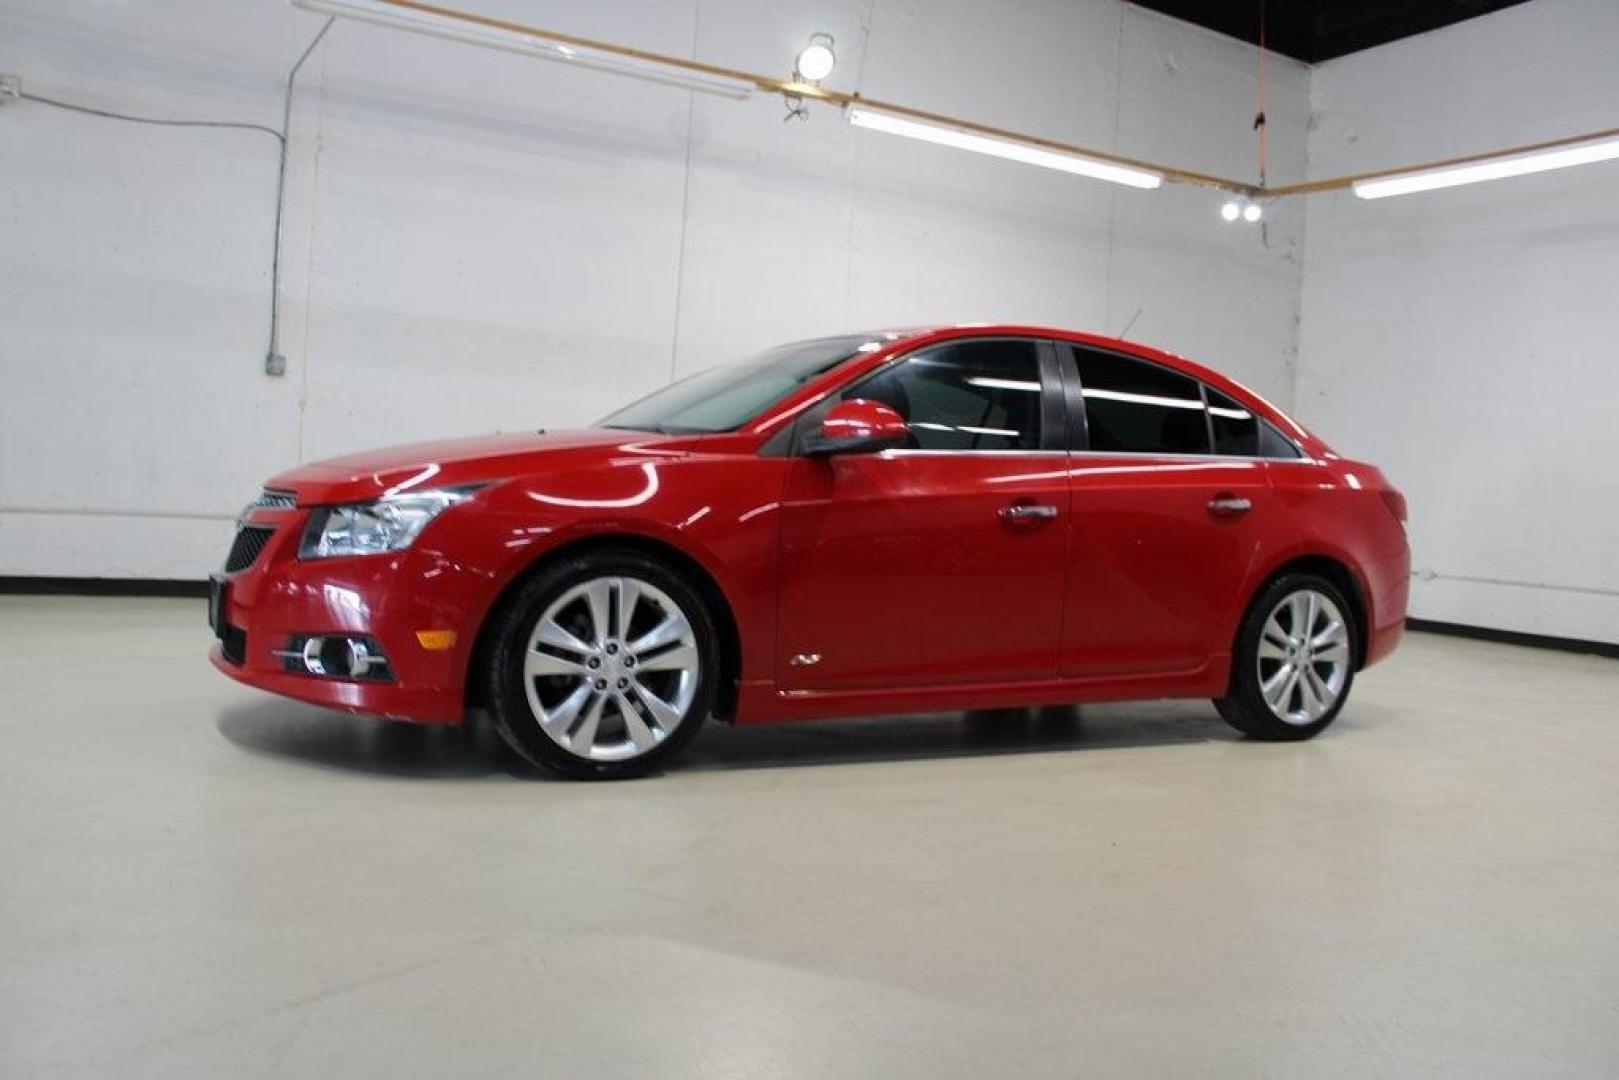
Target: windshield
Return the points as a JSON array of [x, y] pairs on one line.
[[726, 397]]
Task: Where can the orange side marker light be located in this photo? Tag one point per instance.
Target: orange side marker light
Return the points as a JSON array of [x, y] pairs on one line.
[[436, 640]]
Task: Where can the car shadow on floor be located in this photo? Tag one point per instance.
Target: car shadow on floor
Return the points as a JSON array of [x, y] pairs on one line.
[[361, 744], [954, 735], [385, 748]]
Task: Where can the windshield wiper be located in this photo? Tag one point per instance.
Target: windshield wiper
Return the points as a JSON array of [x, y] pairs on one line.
[[660, 429]]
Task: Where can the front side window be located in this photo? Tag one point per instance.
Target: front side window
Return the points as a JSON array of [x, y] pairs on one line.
[[965, 395], [1134, 407]]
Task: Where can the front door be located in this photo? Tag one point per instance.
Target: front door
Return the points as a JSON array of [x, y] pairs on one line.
[[942, 561]]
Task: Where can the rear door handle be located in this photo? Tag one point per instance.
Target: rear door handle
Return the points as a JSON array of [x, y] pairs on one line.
[[1229, 505], [1028, 512]]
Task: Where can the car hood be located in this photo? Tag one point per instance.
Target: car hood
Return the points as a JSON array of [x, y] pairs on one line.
[[374, 473]]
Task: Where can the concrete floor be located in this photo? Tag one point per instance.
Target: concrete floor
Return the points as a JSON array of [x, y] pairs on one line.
[[197, 879]]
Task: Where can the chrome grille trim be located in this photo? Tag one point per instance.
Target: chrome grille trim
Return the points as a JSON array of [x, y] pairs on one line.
[[270, 499]]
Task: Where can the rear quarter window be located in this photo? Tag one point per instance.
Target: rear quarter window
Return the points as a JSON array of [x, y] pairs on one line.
[[1273, 444], [1236, 429]]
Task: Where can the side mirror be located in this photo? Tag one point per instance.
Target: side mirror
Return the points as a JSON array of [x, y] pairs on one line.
[[857, 426]]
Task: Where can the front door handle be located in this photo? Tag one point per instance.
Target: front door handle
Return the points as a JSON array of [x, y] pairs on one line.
[[1229, 505], [1028, 512]]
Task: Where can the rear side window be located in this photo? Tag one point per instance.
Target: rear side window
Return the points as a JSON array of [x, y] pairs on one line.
[[969, 395], [1236, 430], [1135, 407]]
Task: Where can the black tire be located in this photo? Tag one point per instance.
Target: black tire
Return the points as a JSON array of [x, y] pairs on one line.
[[509, 707], [1244, 707]]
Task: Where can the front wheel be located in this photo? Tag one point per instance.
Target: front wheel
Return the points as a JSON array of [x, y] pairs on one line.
[[1294, 660], [603, 666]]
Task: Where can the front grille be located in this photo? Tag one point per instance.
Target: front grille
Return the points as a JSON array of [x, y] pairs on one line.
[[250, 541], [275, 500]]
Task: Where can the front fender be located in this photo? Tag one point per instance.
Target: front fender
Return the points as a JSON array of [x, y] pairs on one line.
[[718, 511]]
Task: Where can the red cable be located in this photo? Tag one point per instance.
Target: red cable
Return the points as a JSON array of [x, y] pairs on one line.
[[1259, 121]]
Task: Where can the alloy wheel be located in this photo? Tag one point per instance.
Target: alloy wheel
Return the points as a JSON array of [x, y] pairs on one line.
[[611, 668], [1303, 657]]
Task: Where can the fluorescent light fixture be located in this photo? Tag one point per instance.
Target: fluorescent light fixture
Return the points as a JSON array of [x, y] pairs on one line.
[[989, 382], [1490, 169], [1143, 399], [944, 135], [467, 31]]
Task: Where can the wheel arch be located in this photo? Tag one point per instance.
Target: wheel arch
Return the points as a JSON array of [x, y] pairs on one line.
[[1334, 570], [677, 560]]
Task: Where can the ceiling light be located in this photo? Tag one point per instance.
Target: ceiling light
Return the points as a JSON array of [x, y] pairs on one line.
[[1500, 168], [816, 61], [1245, 208], [452, 27], [944, 135], [992, 383]]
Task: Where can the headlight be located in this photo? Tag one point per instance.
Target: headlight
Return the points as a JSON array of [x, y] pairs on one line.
[[389, 524]]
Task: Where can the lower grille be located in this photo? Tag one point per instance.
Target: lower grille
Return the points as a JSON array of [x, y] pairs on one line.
[[233, 645], [249, 544]]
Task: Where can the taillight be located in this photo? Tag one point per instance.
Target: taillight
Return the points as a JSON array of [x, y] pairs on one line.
[[1395, 502]]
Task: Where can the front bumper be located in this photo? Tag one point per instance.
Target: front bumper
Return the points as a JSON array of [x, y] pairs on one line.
[[387, 598], [422, 705]]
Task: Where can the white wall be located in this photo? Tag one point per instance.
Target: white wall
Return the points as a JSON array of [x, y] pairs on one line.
[[481, 241], [478, 241], [1468, 340]]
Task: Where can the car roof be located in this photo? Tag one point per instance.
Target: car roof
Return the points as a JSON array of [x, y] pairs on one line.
[[946, 331], [994, 329]]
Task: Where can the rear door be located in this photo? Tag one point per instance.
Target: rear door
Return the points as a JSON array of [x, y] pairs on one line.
[[942, 561], [1165, 528]]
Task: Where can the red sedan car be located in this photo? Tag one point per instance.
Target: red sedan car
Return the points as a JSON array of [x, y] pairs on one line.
[[897, 522]]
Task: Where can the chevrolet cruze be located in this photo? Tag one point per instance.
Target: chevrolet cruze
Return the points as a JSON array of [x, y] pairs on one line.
[[882, 523]]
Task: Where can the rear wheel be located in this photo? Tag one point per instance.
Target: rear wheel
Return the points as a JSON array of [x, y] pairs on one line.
[[603, 666], [1294, 660]]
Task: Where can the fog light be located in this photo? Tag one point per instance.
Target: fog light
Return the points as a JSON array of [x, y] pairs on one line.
[[335, 656]]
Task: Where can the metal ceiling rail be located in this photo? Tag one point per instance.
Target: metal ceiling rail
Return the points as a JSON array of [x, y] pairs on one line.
[[1337, 183], [810, 91], [839, 98]]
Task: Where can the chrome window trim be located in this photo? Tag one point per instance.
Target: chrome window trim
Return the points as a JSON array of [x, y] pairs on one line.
[[1303, 460], [893, 452], [920, 452]]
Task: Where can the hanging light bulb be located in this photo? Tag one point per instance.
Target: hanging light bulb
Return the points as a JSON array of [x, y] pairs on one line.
[[1244, 207], [816, 60]]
